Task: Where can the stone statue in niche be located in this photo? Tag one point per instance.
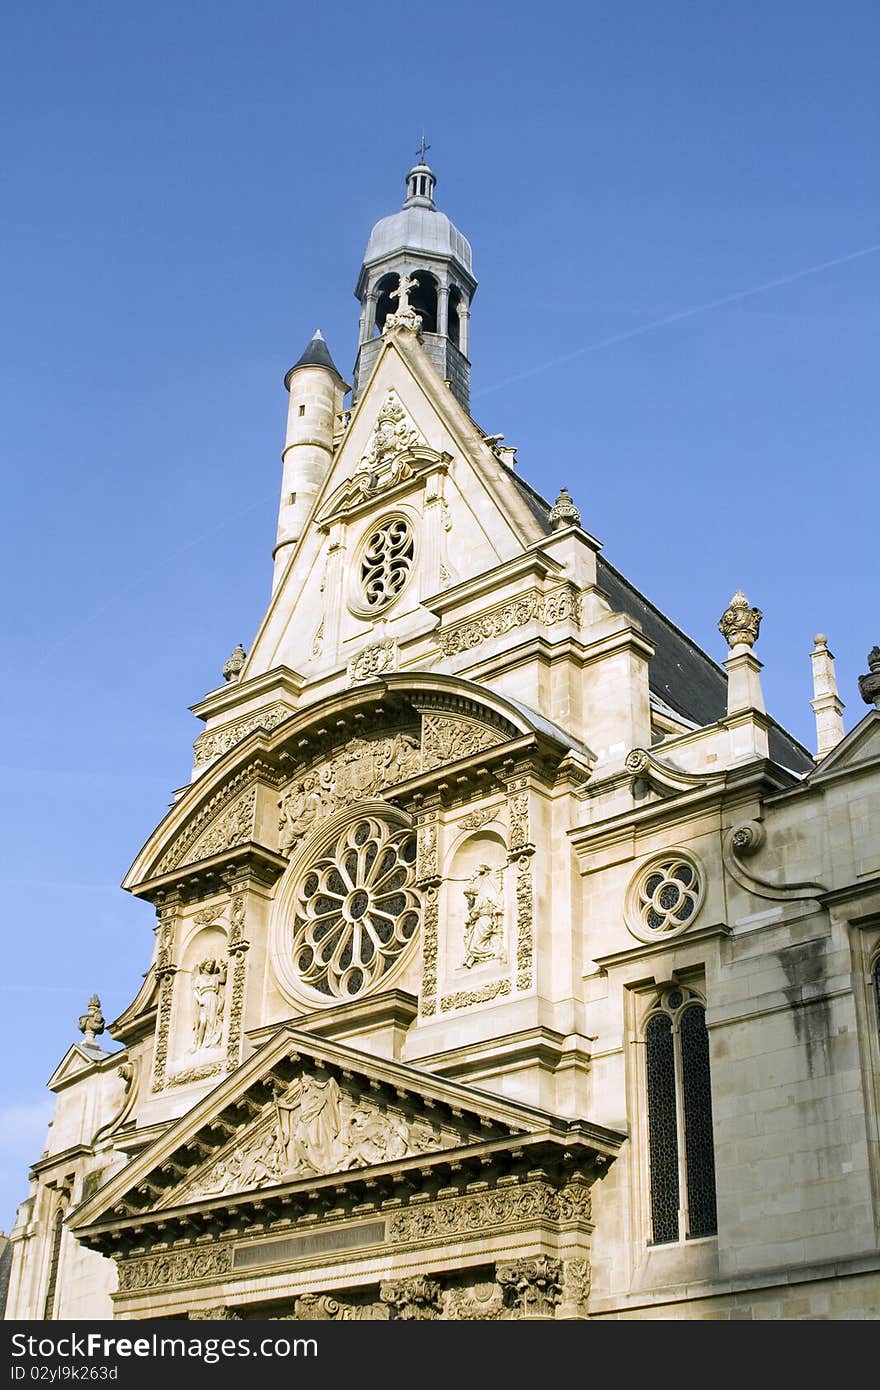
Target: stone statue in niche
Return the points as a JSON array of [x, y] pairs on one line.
[[208, 983], [484, 924]]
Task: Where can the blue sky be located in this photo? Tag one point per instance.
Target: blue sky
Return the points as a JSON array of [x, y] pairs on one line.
[[187, 193]]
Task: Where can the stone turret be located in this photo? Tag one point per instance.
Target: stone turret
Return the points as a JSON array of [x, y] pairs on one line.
[[317, 391], [826, 702]]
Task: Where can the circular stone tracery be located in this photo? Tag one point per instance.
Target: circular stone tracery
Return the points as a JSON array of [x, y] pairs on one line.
[[664, 897], [386, 561], [355, 910]]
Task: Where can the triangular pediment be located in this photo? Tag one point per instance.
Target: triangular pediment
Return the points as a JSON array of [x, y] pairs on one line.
[[299, 1110], [860, 747], [409, 449], [77, 1060]]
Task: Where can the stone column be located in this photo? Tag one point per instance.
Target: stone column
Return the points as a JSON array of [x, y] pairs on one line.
[[464, 315], [826, 703], [443, 310]]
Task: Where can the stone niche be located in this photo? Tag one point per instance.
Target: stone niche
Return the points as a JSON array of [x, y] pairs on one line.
[[199, 1020], [477, 913]]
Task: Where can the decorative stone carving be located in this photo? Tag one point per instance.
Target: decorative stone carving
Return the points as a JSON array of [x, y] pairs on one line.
[[419, 1298], [464, 998], [576, 1282], [188, 846], [559, 605], [741, 842], [237, 947], [518, 807], [532, 1287], [235, 664], [740, 624], [311, 1127], [405, 317], [91, 1023], [361, 770], [322, 1307], [563, 512], [355, 909], [318, 639], [524, 923], [234, 827], [164, 970], [475, 820], [869, 684], [208, 986], [181, 1267], [430, 932], [394, 433], [484, 924], [211, 744], [373, 661], [446, 738], [482, 1302], [506, 1207]]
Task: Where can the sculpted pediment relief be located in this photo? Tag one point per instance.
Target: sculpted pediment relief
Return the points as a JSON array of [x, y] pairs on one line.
[[303, 1108], [312, 1126]]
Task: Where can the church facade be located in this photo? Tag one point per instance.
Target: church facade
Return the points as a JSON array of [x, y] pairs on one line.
[[511, 961]]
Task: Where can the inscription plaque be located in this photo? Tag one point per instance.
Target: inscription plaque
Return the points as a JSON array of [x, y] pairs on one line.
[[270, 1252]]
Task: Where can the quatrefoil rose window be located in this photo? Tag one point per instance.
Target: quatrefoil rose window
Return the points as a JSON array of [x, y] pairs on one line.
[[385, 563], [355, 909], [665, 896]]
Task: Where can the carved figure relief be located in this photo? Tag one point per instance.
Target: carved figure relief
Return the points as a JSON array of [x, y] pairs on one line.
[[313, 1127], [484, 925], [361, 770], [445, 739], [208, 987]]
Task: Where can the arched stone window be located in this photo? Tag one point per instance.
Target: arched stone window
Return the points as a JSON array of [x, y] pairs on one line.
[[54, 1260], [681, 1152], [453, 331]]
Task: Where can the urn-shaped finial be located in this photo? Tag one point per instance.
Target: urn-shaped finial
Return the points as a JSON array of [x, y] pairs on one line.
[[564, 512], [869, 684], [233, 668], [740, 624], [91, 1023]]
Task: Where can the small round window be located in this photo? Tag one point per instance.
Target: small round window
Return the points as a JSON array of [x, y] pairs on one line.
[[664, 897], [385, 564]]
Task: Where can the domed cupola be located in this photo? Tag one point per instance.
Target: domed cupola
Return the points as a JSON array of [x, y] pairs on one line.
[[421, 243]]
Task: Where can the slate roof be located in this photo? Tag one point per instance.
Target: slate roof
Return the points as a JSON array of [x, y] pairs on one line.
[[682, 674]]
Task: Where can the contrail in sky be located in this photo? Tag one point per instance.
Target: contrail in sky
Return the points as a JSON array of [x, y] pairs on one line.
[[676, 318]]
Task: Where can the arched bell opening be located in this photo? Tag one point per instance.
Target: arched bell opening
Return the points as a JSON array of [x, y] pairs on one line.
[[453, 331], [423, 298]]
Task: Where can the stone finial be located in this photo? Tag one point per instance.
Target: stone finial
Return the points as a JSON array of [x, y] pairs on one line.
[[869, 684], [564, 512], [234, 666], [91, 1023], [826, 702], [740, 624]]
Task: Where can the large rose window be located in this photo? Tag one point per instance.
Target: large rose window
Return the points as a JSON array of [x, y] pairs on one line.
[[355, 909]]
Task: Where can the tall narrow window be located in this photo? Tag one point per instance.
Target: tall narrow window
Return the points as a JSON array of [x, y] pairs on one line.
[[54, 1257], [680, 1150], [877, 988]]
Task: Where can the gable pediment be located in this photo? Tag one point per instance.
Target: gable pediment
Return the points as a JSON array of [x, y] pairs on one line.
[[859, 748], [301, 1109]]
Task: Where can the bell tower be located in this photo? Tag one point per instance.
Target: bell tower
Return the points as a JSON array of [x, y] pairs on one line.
[[421, 243]]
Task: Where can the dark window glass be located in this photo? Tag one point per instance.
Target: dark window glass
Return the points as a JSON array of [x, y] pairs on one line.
[[57, 1233], [662, 1129], [698, 1147]]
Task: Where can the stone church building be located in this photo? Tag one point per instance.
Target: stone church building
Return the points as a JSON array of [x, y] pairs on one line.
[[511, 960]]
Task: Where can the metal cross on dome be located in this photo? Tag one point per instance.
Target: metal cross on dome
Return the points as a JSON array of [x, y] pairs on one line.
[[423, 149]]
